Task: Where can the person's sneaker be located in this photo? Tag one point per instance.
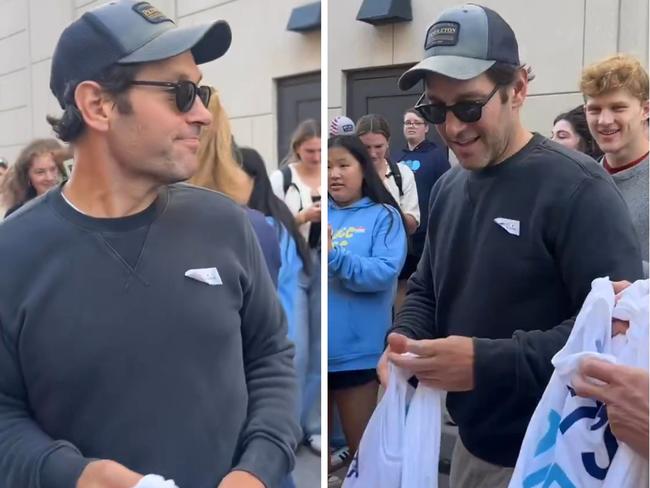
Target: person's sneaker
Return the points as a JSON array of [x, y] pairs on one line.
[[334, 481], [339, 457], [313, 442]]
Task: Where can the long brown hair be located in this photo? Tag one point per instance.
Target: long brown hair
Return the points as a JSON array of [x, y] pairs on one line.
[[218, 168], [373, 124], [16, 186], [307, 129]]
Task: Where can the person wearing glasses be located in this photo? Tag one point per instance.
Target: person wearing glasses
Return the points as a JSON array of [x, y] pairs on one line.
[[142, 340], [427, 162], [516, 234]]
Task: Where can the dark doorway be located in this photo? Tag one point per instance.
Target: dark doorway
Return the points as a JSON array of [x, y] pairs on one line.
[[375, 91], [298, 99]]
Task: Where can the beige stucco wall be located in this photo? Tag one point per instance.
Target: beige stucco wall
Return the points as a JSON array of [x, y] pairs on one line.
[[262, 51], [556, 37]]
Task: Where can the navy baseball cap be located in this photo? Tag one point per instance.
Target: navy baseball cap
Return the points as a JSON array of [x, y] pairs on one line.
[[462, 43], [126, 32]]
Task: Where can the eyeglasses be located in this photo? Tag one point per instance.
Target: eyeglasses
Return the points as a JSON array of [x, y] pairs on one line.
[[185, 92], [410, 123], [467, 112]]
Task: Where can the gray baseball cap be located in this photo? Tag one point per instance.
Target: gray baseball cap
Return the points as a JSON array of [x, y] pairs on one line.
[[125, 32], [462, 43]]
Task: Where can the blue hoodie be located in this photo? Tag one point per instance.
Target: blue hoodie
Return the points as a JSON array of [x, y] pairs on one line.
[[288, 275], [369, 247]]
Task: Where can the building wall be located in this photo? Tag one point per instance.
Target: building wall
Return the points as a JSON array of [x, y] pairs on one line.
[[556, 37], [261, 51]]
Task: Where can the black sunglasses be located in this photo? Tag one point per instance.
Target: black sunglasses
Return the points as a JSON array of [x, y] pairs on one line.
[[467, 112], [185, 92]]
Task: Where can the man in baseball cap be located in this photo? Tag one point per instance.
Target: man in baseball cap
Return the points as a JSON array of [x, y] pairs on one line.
[[142, 338], [515, 237]]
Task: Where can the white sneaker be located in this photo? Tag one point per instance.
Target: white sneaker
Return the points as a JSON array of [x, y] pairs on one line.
[[339, 457], [334, 481], [313, 442]]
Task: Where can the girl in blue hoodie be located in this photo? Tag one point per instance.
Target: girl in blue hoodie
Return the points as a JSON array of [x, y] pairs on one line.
[[367, 247]]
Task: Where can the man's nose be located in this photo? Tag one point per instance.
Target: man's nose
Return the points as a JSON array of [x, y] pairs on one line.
[[605, 117], [199, 113], [453, 125]]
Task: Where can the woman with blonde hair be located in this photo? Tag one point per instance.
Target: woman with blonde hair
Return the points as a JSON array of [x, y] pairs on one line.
[[219, 170], [38, 168], [298, 184], [241, 174]]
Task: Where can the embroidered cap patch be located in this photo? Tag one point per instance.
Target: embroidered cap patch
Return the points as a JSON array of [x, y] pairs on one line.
[[442, 34], [150, 13]]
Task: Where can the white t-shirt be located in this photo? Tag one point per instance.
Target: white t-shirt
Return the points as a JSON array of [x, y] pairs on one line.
[[298, 196], [408, 202]]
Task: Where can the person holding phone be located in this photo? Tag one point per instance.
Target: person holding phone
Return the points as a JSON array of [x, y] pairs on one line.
[[298, 184]]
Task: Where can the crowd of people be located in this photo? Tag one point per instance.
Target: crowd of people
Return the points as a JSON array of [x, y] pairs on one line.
[[499, 250], [147, 224]]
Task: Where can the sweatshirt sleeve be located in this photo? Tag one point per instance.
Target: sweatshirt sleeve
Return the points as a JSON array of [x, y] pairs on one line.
[[29, 458], [270, 435], [595, 238], [379, 270], [417, 317], [409, 202]]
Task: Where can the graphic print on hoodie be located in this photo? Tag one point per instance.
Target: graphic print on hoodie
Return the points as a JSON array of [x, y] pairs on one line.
[[369, 247]]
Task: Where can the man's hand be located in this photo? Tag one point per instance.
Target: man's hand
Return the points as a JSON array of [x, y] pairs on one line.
[[397, 344], [382, 367], [240, 479], [619, 326], [625, 392], [107, 474], [446, 364]]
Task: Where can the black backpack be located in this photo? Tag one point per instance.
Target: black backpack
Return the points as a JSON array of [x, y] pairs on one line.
[[286, 178], [395, 173]]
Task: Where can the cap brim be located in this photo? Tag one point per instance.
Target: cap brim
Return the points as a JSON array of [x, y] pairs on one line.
[[206, 41], [457, 67]]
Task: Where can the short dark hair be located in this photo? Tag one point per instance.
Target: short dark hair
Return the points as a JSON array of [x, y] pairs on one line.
[[576, 117], [115, 80], [3, 164], [504, 75], [414, 112], [372, 186]]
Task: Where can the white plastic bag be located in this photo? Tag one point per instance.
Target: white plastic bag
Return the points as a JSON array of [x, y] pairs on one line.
[[155, 481], [568, 443], [400, 446]]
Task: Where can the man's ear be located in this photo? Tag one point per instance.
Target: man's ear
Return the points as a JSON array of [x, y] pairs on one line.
[[520, 88], [645, 108], [93, 104]]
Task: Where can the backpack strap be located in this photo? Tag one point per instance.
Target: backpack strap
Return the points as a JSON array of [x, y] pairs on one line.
[[397, 174], [286, 178]]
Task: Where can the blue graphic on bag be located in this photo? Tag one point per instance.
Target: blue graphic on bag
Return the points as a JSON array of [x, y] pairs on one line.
[[354, 467], [553, 473]]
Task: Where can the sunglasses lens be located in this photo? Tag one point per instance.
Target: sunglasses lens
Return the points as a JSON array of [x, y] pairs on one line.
[[467, 113], [435, 114], [185, 95], [205, 92]]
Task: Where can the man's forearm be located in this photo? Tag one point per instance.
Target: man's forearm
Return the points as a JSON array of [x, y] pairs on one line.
[[411, 224]]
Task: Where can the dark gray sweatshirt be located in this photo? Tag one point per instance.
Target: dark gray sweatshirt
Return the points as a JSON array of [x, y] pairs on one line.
[[109, 351], [510, 254]]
